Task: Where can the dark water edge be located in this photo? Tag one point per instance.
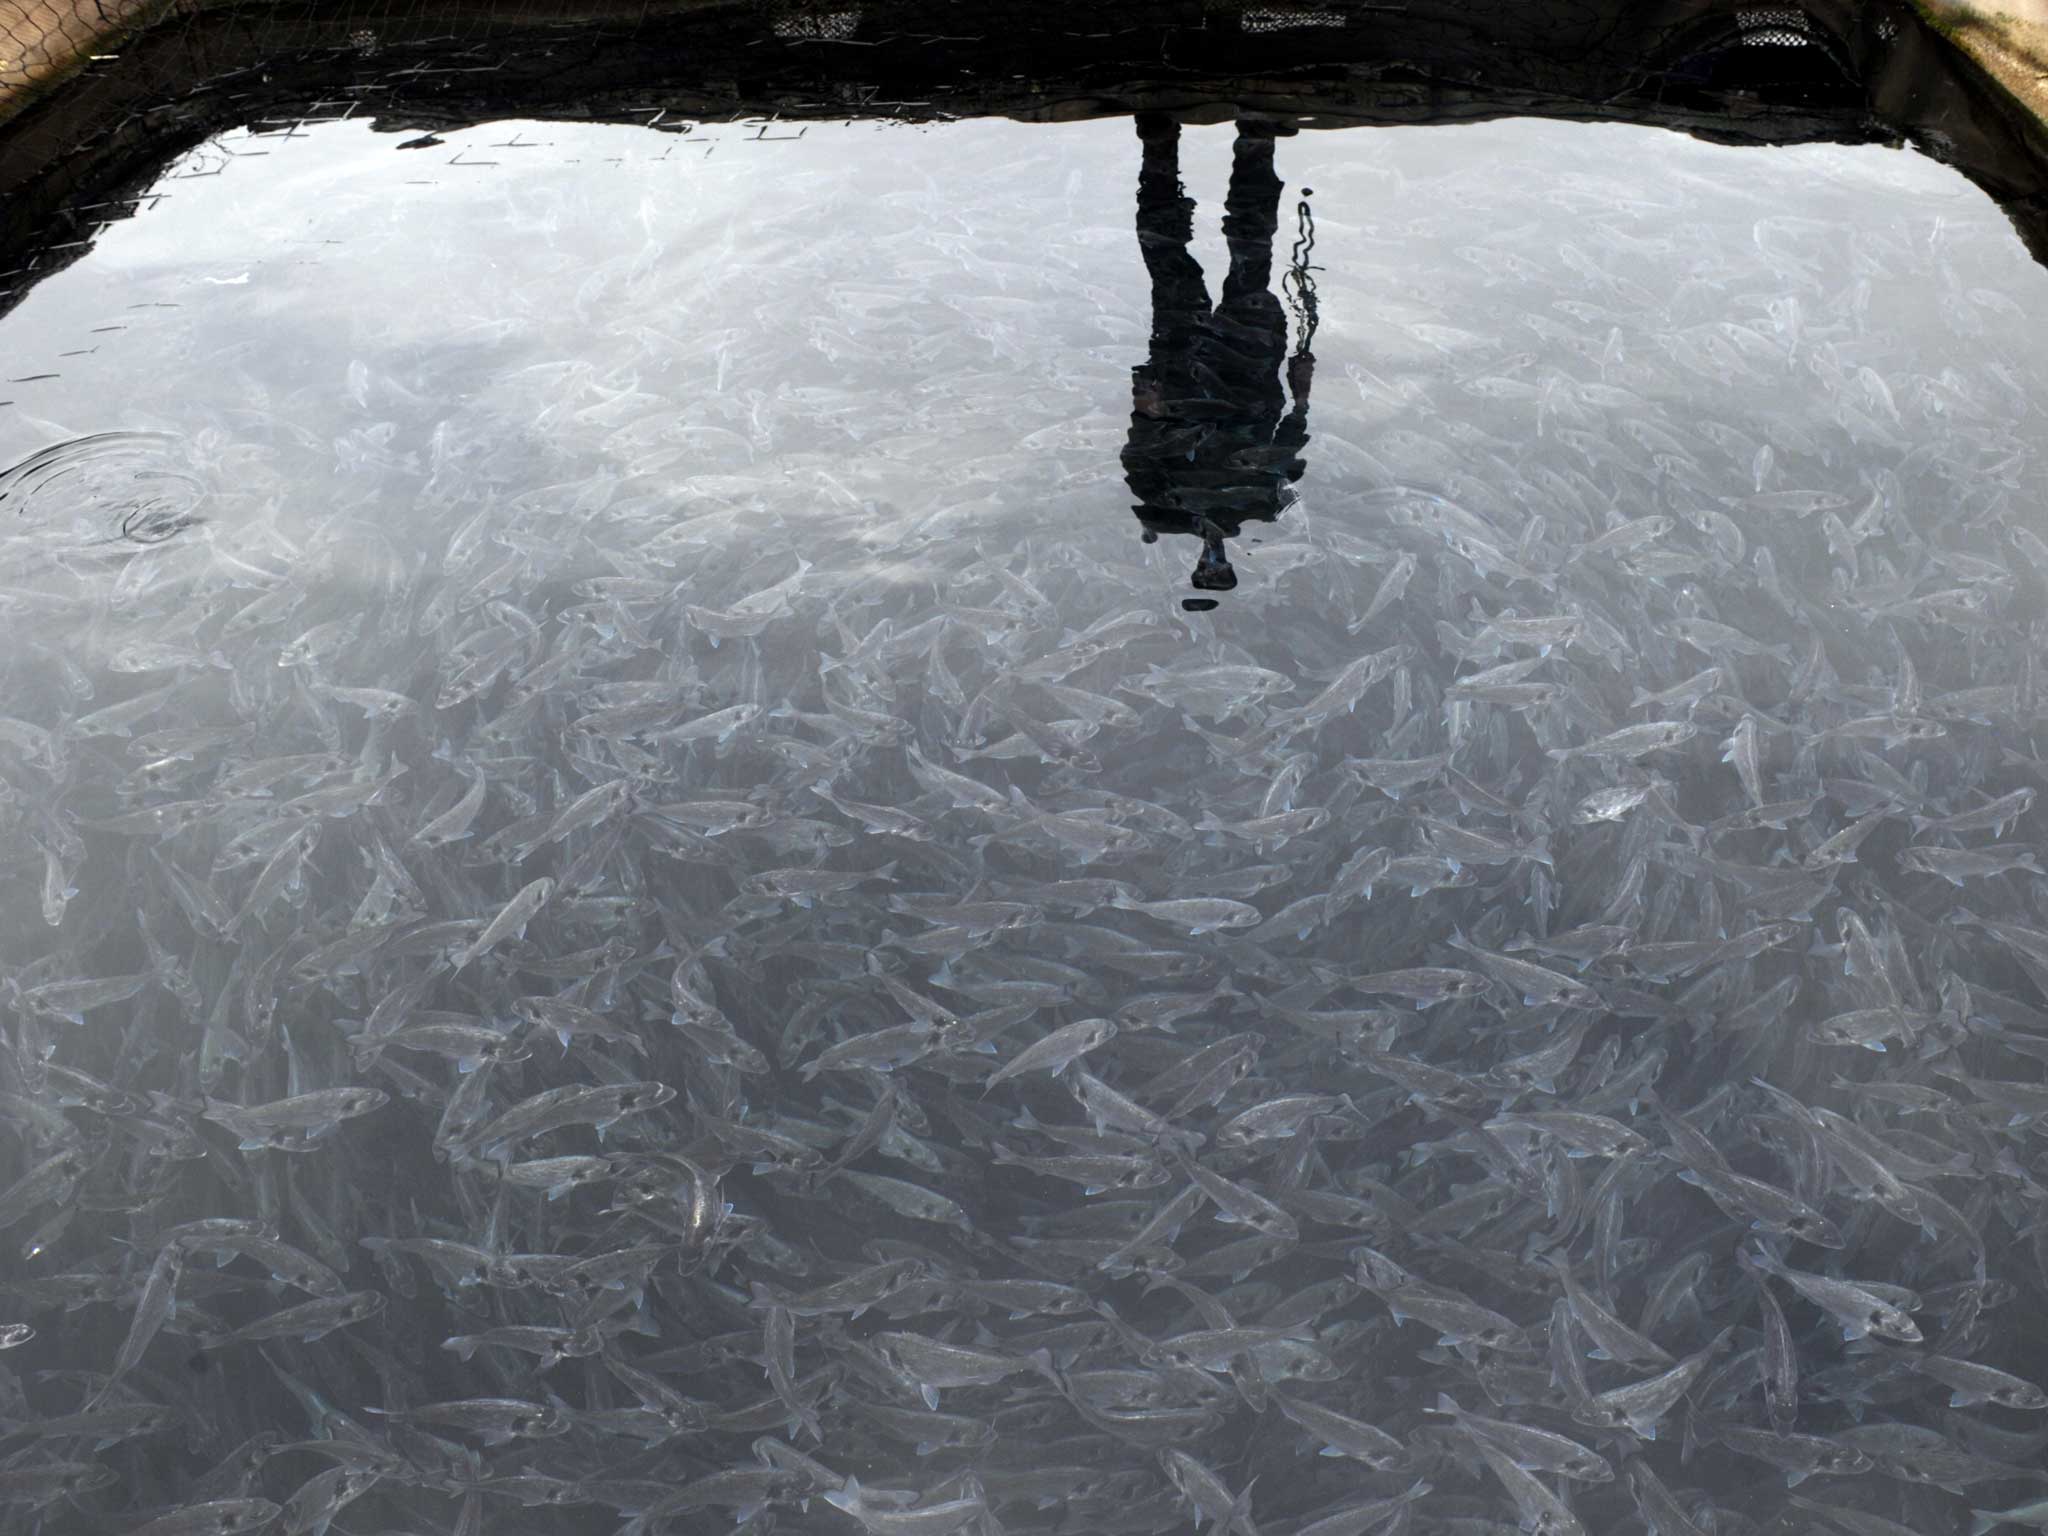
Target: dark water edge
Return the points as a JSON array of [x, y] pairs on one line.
[[1845, 73], [650, 881]]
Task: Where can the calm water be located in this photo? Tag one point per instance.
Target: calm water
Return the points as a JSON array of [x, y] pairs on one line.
[[872, 828]]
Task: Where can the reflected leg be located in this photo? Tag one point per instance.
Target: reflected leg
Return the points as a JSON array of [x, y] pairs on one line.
[[1251, 214], [1166, 223]]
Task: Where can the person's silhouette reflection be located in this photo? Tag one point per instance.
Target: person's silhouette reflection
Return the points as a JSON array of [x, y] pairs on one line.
[[1213, 445]]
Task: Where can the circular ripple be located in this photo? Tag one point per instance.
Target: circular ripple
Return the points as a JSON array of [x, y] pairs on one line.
[[136, 487]]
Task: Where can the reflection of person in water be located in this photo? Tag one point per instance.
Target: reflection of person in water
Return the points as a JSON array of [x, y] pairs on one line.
[[1209, 448]]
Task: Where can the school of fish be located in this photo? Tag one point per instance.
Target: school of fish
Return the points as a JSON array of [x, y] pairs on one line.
[[620, 1024]]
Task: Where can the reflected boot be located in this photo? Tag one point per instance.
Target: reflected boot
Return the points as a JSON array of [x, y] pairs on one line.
[[1212, 571]]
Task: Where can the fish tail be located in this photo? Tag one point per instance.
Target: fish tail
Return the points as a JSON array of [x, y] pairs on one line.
[[1042, 1362]]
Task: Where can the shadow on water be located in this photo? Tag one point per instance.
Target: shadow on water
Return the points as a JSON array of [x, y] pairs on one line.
[[1210, 448]]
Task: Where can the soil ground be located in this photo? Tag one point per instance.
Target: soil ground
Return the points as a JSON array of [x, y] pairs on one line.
[[2009, 39], [42, 41]]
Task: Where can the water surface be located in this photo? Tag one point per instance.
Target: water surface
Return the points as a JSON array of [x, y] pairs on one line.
[[1494, 751]]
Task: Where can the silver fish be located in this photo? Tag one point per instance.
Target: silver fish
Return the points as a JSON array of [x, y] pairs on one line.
[[510, 922], [889, 1518], [153, 1308], [934, 1365], [1640, 1406], [215, 1517], [295, 1123], [1345, 1436], [1530, 1447], [307, 1321], [1053, 1052]]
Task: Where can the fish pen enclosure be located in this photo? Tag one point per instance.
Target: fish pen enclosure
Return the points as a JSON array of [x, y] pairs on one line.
[[1075, 771], [97, 95]]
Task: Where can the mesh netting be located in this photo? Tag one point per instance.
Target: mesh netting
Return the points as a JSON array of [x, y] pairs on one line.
[[1783, 19], [44, 43], [1286, 18], [817, 26], [41, 40]]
